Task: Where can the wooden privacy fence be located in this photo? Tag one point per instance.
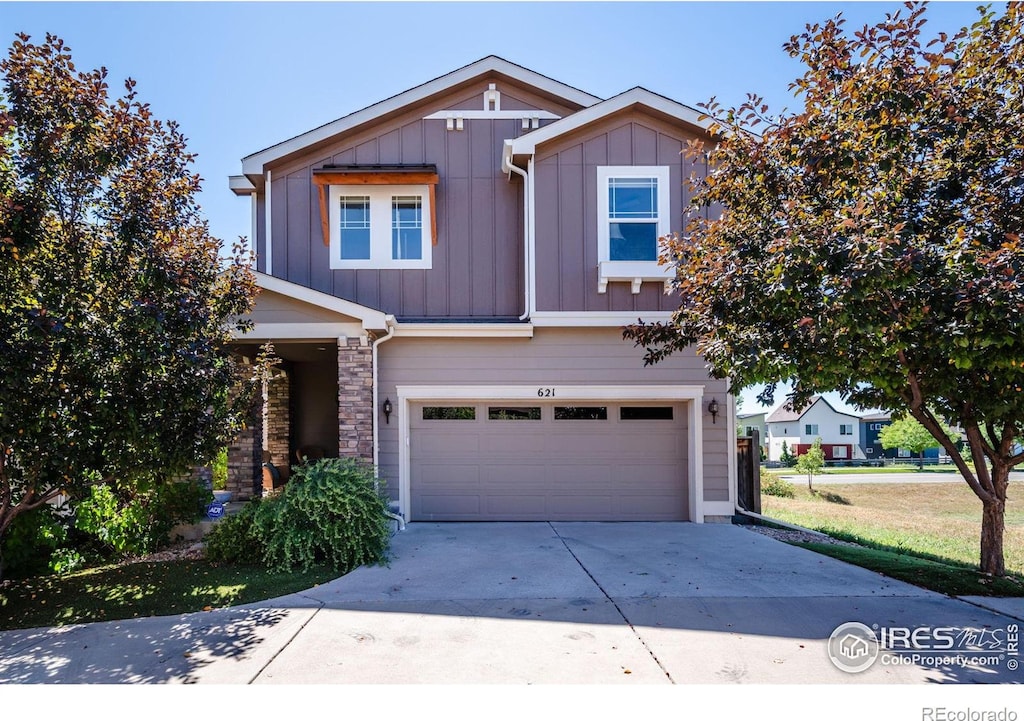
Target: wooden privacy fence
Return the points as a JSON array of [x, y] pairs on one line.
[[748, 471]]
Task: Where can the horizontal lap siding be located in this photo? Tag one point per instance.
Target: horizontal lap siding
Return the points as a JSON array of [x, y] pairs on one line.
[[595, 356], [566, 211], [478, 262]]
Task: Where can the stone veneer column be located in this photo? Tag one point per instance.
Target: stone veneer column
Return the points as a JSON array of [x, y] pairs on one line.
[[245, 455], [355, 399], [278, 422]]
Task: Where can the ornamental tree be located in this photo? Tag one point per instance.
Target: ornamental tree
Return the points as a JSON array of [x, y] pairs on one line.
[[115, 305], [910, 434], [811, 462], [869, 242]]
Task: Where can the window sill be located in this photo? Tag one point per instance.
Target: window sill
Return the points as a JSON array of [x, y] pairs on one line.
[[634, 272]]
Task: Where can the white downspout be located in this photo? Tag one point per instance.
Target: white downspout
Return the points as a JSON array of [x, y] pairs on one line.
[[509, 166], [268, 258], [390, 322]]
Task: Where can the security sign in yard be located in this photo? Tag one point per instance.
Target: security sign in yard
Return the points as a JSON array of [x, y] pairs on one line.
[[855, 647]]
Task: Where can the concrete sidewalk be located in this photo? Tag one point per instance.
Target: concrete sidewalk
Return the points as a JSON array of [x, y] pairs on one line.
[[520, 603]]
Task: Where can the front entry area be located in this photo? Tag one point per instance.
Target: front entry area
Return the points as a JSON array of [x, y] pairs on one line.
[[524, 460]]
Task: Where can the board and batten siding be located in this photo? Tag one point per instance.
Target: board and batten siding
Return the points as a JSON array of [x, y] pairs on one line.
[[566, 210], [563, 356], [477, 265]]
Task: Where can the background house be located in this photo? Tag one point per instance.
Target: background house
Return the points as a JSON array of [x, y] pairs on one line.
[[839, 432], [445, 275]]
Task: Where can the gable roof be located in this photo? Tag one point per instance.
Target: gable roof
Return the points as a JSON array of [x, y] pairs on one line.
[[527, 144], [786, 414], [252, 165]]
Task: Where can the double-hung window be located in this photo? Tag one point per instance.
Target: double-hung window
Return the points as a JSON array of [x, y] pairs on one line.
[[632, 214], [384, 226]]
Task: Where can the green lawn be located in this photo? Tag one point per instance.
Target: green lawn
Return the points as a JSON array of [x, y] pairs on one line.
[[143, 589], [940, 522]]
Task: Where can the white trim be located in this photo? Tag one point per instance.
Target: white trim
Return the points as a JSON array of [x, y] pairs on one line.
[[492, 115], [733, 476], [268, 260], [253, 220], [531, 204], [371, 319], [240, 185], [718, 508], [254, 164], [694, 394], [381, 199], [300, 331], [464, 330], [527, 144], [556, 318]]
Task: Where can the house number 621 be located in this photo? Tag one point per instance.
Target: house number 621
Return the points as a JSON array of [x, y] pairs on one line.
[[546, 392]]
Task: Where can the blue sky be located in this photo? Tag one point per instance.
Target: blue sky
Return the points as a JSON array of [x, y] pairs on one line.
[[241, 76]]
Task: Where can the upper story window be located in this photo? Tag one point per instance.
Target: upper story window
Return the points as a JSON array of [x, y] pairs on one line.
[[632, 214], [846, 429], [380, 227], [811, 429]]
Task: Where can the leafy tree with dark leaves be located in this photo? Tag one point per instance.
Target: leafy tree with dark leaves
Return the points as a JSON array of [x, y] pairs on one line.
[[870, 242], [115, 306]]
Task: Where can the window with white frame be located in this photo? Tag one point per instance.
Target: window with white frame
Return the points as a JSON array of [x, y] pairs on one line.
[[846, 429], [839, 451], [633, 213], [384, 226], [811, 429]]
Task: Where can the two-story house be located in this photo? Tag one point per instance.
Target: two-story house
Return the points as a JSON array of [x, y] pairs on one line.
[[445, 276], [839, 432]]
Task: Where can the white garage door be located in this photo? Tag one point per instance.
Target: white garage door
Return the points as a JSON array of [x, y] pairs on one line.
[[515, 461]]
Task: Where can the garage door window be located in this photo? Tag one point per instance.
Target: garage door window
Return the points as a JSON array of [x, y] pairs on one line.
[[449, 413], [581, 413], [645, 413], [517, 413]]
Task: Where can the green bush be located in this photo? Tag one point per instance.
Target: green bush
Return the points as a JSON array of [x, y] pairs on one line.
[[775, 486], [139, 520], [330, 512], [30, 541], [234, 539], [219, 469]]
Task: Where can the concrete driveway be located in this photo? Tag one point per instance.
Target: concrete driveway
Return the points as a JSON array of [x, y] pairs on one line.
[[562, 603]]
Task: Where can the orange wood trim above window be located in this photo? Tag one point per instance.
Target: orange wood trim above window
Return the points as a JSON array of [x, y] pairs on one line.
[[322, 180]]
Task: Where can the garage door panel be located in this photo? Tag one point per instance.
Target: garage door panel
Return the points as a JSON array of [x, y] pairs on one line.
[[450, 504], [527, 469], [505, 506], [430, 443]]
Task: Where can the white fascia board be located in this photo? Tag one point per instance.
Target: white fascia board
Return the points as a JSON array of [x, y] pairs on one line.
[[596, 319], [241, 185], [371, 319], [464, 330], [561, 392], [300, 331], [527, 144], [253, 164]]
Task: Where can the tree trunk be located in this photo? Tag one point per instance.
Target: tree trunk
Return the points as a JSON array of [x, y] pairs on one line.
[[992, 527]]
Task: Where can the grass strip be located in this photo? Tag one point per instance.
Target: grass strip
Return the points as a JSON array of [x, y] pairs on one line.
[[944, 577], [111, 593]]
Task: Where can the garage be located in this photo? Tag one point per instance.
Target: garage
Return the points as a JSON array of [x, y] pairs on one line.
[[515, 460]]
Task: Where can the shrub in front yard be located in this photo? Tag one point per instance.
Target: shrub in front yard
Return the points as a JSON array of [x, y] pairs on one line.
[[329, 513], [234, 539], [772, 485]]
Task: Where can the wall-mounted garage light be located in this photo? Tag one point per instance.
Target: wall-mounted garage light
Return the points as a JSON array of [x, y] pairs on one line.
[[387, 410], [713, 409]]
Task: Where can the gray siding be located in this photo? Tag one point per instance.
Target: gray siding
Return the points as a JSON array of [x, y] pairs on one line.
[[477, 264], [566, 185], [553, 356]]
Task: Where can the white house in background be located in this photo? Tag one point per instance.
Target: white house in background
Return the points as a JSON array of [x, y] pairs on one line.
[[839, 432]]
